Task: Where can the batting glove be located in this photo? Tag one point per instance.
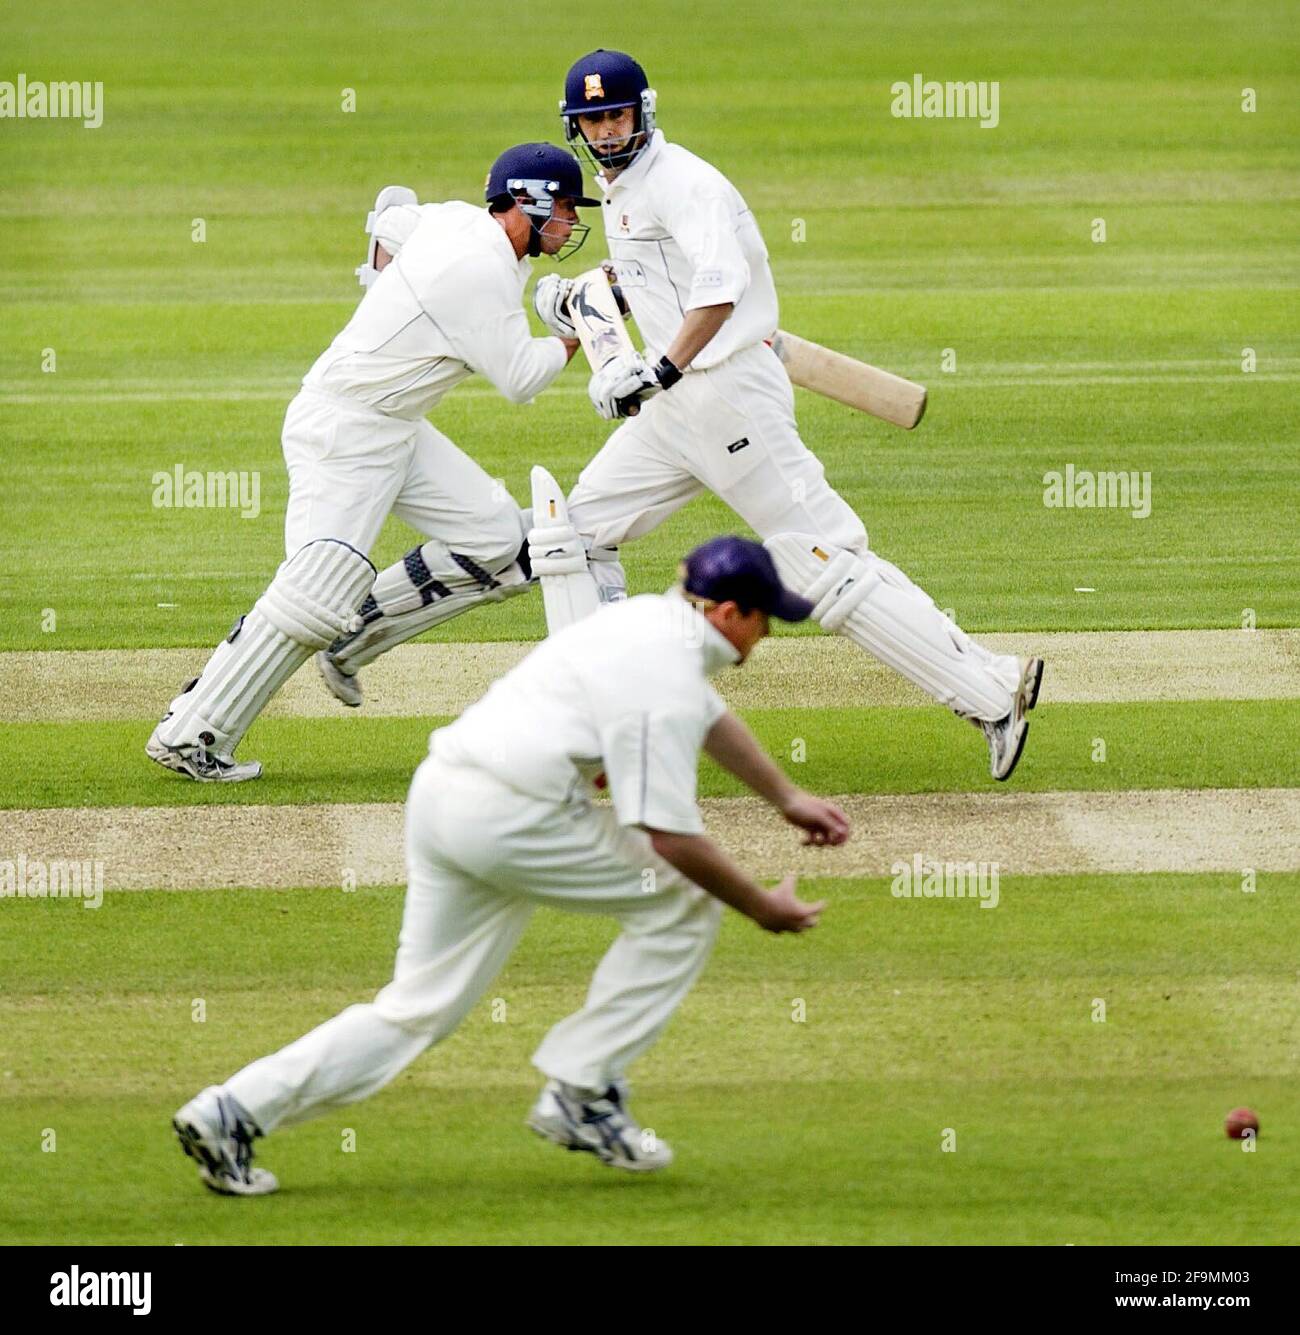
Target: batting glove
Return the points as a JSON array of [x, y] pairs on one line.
[[393, 232], [624, 382], [551, 302]]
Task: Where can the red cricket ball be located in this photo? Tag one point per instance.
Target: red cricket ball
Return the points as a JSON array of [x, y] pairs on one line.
[[1238, 1122]]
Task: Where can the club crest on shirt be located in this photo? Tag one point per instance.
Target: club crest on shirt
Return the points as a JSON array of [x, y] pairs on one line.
[[592, 86], [625, 224]]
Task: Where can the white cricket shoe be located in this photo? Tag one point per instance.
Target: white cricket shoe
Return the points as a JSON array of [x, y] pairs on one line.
[[344, 686], [1007, 737], [598, 1123], [198, 763], [216, 1132]]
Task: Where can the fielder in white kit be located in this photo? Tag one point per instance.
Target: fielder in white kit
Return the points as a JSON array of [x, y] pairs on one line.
[[500, 819], [717, 410], [358, 447]]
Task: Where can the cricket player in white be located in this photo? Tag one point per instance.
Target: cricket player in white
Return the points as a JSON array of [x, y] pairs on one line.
[[717, 410], [500, 819], [358, 447]]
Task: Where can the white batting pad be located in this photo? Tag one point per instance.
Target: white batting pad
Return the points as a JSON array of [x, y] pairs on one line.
[[608, 572], [312, 599], [558, 557], [315, 593], [397, 611], [876, 606]]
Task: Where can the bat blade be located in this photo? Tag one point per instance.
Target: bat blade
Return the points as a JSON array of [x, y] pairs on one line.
[[847, 380], [599, 322]]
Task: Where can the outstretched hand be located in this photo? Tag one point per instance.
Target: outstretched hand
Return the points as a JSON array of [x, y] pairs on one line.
[[822, 821], [783, 910]]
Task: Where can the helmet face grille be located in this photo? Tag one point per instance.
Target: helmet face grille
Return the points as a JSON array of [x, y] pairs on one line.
[[643, 128]]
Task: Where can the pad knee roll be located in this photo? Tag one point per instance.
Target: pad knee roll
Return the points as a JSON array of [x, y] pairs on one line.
[[315, 594]]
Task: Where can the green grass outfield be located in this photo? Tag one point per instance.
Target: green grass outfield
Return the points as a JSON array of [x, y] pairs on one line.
[[891, 239], [1201, 744], [919, 1017], [919, 235]]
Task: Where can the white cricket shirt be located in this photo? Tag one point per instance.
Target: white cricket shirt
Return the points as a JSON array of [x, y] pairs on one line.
[[448, 305], [625, 690], [681, 237]]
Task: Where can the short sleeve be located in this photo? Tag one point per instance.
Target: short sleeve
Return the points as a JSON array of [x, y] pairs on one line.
[[714, 707], [705, 228], [652, 762]]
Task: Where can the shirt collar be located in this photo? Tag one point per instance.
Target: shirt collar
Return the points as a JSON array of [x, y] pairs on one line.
[[638, 169], [522, 264], [717, 651]]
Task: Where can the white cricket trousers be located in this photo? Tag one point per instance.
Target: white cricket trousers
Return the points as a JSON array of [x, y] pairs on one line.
[[730, 430], [480, 857], [350, 466]]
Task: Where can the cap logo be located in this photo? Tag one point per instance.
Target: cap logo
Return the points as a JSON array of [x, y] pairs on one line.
[[592, 86]]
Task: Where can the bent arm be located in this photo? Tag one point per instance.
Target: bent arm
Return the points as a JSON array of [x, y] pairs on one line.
[[737, 750], [702, 861], [696, 331], [705, 229], [518, 364]]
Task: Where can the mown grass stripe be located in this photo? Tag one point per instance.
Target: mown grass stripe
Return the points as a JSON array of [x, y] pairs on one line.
[[1187, 744], [817, 671], [1019, 834]]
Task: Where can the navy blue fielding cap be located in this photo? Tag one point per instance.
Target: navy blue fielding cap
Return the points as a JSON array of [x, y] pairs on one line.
[[740, 571], [603, 80], [540, 171]]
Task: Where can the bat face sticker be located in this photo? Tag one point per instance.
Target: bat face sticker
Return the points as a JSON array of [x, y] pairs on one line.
[[588, 311]]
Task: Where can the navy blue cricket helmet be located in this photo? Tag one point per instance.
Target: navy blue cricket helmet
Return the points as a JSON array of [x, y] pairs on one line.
[[534, 176], [607, 81]]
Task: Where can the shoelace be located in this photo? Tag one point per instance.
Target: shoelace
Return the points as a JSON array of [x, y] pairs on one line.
[[238, 1131], [206, 762], [243, 1150], [612, 1099]]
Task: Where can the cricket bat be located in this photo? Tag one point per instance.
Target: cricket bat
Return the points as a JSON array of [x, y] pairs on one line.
[[867, 388], [599, 323]]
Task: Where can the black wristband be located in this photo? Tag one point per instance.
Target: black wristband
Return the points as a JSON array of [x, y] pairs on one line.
[[666, 373]]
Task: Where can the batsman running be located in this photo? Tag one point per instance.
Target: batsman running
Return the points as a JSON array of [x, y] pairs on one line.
[[709, 407], [500, 819], [358, 447], [716, 411]]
